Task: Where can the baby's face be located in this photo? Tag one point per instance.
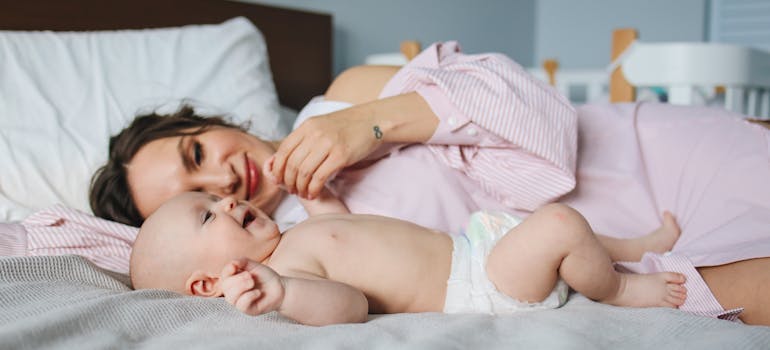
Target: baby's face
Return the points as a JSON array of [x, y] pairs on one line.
[[217, 230]]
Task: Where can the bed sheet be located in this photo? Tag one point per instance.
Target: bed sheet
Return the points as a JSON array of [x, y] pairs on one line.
[[67, 302]]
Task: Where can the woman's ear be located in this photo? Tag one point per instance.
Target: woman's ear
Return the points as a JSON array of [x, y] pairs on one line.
[[203, 284]]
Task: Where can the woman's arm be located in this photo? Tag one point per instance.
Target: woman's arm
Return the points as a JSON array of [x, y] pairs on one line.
[[255, 289], [325, 144], [498, 125]]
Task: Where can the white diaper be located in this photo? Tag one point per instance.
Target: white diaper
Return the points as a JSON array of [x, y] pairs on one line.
[[469, 290]]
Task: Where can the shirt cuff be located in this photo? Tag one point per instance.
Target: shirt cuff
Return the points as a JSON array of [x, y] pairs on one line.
[[454, 127], [700, 300]]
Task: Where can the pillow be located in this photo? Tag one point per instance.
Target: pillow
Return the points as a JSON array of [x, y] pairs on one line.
[[62, 94]]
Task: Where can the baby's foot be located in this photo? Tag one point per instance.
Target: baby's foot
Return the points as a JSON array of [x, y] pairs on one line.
[[662, 239], [657, 289]]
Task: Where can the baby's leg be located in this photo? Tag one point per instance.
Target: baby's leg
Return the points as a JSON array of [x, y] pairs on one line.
[[557, 241], [659, 241]]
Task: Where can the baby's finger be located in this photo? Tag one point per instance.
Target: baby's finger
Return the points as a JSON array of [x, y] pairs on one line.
[[231, 294], [233, 287], [247, 303], [234, 267], [229, 270], [241, 278]]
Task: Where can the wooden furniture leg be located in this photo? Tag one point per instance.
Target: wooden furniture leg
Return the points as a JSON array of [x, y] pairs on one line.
[[410, 48], [620, 89], [550, 66]]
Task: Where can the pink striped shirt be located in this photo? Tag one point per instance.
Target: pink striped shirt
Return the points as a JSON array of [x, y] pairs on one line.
[[700, 300], [505, 141], [513, 134], [60, 230]]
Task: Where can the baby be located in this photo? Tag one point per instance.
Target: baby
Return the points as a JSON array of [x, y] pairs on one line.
[[338, 267]]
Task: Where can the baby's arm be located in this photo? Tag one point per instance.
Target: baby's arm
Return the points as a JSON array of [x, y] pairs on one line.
[[325, 203], [255, 289]]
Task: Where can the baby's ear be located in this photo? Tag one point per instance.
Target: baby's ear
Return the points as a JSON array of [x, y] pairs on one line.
[[203, 284]]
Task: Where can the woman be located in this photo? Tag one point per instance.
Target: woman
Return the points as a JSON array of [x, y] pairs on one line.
[[442, 137]]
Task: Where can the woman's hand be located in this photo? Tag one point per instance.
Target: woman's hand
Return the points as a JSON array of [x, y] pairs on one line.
[[321, 146], [251, 287], [325, 144]]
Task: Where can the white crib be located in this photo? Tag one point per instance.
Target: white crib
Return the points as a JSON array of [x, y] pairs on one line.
[[578, 85], [735, 77], [685, 73]]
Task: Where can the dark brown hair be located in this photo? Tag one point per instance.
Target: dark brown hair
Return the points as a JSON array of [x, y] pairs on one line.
[[110, 195]]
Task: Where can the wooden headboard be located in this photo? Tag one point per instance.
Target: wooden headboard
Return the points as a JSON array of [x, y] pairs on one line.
[[299, 43]]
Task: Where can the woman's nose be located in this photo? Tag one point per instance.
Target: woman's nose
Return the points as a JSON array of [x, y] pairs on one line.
[[220, 182]]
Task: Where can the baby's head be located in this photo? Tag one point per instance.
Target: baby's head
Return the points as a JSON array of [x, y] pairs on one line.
[[185, 243]]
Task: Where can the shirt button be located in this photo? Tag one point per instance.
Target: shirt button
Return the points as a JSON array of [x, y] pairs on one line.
[[452, 121], [472, 132]]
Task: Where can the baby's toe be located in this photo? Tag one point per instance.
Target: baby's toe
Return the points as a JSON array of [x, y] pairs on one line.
[[677, 288], [674, 300], [674, 277]]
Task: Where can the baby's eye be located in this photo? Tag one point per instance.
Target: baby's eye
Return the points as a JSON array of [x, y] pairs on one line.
[[208, 215]]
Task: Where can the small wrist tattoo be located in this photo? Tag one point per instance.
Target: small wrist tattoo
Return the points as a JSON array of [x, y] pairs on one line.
[[377, 132]]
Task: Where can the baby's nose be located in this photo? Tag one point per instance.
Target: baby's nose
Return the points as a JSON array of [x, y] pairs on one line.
[[228, 203]]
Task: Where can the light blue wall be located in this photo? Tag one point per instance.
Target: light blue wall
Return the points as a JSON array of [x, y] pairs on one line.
[[364, 27], [578, 32]]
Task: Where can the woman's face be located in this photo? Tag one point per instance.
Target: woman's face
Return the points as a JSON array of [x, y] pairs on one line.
[[221, 161]]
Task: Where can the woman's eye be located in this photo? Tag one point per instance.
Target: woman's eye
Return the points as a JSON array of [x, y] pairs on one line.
[[197, 153]]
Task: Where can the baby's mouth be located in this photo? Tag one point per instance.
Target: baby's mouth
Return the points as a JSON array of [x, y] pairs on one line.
[[248, 219]]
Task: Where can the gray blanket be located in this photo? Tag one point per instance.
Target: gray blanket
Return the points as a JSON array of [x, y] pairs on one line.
[[66, 302]]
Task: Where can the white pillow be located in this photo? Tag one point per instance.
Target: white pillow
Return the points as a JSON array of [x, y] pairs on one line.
[[62, 94]]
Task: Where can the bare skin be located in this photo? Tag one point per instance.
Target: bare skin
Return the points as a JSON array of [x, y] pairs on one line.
[[659, 240], [743, 284], [556, 241], [307, 275]]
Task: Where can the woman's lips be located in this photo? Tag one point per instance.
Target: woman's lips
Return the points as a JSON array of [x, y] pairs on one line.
[[252, 178]]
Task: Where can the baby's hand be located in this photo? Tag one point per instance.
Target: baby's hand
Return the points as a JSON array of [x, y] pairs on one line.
[[251, 287], [325, 203]]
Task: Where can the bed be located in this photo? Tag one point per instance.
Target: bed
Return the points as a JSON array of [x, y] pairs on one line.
[[55, 299]]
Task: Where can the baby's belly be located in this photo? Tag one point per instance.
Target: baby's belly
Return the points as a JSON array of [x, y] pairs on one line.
[[400, 267]]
